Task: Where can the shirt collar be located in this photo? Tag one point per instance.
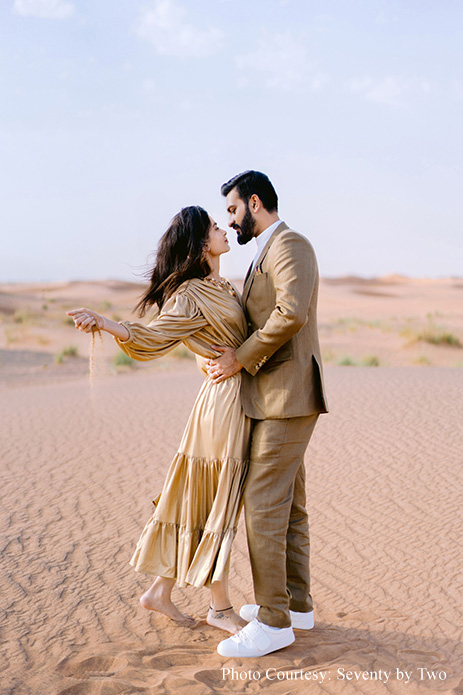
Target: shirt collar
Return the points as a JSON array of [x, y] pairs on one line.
[[264, 236]]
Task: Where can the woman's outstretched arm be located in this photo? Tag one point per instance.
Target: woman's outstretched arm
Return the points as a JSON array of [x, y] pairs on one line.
[[85, 320], [179, 319]]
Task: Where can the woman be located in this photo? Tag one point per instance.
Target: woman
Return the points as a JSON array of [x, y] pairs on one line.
[[189, 537]]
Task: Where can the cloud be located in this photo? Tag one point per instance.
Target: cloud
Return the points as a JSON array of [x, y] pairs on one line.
[[356, 85], [149, 86], [386, 91], [46, 9], [282, 62], [384, 18], [318, 80], [457, 90], [164, 24]]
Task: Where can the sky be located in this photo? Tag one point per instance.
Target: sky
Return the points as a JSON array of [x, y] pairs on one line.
[[114, 114]]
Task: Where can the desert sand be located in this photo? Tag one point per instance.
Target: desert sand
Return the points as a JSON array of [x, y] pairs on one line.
[[81, 463]]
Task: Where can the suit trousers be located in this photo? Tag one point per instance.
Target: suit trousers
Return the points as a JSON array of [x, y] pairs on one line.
[[276, 518]]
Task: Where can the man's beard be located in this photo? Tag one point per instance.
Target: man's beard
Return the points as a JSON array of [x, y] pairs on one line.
[[247, 226]]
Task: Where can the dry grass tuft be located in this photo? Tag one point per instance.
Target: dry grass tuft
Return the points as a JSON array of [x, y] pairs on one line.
[[68, 351]]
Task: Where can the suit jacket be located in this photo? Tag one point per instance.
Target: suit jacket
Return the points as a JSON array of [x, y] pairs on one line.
[[282, 375]]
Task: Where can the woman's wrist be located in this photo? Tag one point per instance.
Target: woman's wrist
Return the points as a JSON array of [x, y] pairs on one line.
[[118, 330]]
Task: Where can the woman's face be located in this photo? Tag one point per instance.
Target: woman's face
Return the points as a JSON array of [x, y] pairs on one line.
[[217, 242]]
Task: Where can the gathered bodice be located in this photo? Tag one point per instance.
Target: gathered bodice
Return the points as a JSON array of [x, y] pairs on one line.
[[199, 314]]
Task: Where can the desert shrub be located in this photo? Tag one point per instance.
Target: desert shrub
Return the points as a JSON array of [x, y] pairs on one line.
[[25, 316], [370, 361], [422, 360], [68, 351], [439, 337], [123, 360], [346, 361], [328, 356], [182, 353]]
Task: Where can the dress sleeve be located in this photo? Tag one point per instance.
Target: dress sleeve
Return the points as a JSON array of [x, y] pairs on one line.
[[179, 318]]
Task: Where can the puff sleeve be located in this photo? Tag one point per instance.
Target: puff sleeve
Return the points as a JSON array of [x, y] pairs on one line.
[[178, 319]]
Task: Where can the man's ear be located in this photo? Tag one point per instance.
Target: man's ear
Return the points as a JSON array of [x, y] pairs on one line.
[[254, 203]]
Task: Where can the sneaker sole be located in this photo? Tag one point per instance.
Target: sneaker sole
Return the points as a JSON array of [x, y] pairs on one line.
[[253, 655], [297, 622]]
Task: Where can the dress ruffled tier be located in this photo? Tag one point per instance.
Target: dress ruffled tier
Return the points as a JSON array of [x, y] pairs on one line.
[[190, 534]]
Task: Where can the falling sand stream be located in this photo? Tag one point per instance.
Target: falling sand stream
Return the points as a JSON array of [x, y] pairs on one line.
[[96, 361]]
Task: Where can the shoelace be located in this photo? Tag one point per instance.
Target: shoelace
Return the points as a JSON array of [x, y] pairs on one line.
[[239, 637], [242, 636]]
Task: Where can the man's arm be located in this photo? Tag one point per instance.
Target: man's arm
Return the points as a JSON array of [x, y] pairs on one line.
[[293, 271]]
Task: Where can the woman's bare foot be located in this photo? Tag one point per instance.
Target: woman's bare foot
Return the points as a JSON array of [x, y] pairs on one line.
[[153, 600], [226, 620]]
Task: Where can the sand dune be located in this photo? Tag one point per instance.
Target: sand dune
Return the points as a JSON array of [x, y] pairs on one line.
[[384, 491], [80, 466], [392, 321]]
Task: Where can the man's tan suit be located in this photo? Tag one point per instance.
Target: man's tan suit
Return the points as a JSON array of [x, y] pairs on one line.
[[283, 392]]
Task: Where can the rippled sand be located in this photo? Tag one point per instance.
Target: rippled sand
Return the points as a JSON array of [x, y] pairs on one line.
[[80, 467], [384, 492]]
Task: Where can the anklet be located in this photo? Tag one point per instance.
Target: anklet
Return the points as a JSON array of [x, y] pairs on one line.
[[222, 610]]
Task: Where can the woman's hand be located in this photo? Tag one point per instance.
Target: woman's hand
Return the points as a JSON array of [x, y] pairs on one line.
[[85, 319]]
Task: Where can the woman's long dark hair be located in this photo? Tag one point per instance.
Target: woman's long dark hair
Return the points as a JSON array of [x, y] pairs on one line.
[[180, 256]]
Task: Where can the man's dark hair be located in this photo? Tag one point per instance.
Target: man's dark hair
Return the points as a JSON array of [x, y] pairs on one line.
[[250, 182]]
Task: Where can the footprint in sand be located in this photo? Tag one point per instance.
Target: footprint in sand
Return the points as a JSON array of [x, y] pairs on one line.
[[119, 674], [97, 666], [215, 681], [175, 657], [368, 616], [103, 688], [416, 653]]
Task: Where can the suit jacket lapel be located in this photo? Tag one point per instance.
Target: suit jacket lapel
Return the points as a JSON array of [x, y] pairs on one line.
[[248, 273], [250, 277]]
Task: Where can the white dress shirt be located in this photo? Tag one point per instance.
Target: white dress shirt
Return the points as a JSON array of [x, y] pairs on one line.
[[262, 239]]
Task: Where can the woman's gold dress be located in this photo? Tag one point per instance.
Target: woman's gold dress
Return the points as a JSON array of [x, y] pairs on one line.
[[190, 534]]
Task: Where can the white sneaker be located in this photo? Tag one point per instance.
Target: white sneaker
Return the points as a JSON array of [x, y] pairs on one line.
[[256, 639], [300, 621]]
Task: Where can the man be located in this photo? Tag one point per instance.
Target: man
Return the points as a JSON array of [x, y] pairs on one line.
[[282, 391]]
